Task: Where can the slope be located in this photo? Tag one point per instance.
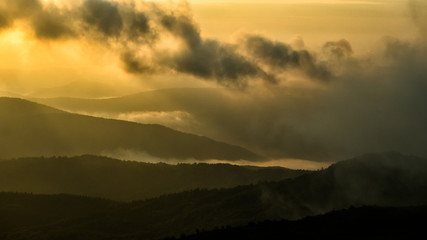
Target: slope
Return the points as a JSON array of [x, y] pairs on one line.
[[354, 223], [177, 99], [30, 129], [119, 180], [171, 215]]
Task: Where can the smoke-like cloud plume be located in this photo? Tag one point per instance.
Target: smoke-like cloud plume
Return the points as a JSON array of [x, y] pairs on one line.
[[47, 22], [4, 21], [338, 50], [137, 29], [104, 16], [281, 57]]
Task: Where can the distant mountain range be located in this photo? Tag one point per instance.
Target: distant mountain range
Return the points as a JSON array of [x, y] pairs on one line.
[[288, 126], [31, 129], [119, 180], [83, 89], [176, 99], [203, 111], [381, 179], [223, 114]]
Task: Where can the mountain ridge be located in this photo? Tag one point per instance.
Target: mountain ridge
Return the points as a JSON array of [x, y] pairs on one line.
[[51, 132], [170, 99], [354, 223], [311, 194], [105, 177]]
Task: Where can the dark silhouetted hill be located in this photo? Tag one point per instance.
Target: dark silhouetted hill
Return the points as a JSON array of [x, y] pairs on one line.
[[381, 179], [119, 180], [384, 179], [354, 223], [30, 129]]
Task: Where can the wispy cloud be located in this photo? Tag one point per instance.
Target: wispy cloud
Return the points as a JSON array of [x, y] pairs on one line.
[[130, 155]]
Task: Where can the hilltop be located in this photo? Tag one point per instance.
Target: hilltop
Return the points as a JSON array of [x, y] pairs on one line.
[[31, 129], [170, 215], [125, 180]]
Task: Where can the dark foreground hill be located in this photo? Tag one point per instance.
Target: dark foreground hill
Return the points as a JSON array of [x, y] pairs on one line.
[[384, 179], [119, 180], [30, 129], [354, 223]]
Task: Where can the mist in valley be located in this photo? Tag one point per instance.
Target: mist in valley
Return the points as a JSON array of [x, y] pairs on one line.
[[137, 119]]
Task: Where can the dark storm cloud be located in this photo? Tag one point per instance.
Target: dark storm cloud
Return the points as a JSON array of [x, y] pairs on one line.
[[135, 32], [133, 64], [93, 19], [338, 50], [283, 57], [184, 28], [212, 60], [4, 20], [139, 25], [49, 25], [377, 103], [208, 59], [104, 16]]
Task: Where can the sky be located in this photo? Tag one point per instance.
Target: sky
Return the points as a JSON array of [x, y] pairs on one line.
[[34, 59], [318, 80]]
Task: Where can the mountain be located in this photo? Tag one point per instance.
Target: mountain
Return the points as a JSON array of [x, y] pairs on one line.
[[83, 89], [354, 223], [31, 129], [200, 111], [177, 99], [380, 179], [119, 180], [22, 215], [222, 114], [383, 179]]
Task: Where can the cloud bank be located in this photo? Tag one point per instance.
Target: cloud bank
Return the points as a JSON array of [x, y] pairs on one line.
[[346, 104], [152, 37]]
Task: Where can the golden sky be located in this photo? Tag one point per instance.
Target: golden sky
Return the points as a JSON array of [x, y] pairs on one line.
[[29, 63]]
